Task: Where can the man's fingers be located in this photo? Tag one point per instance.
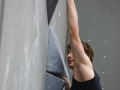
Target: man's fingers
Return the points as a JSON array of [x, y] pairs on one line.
[[62, 77]]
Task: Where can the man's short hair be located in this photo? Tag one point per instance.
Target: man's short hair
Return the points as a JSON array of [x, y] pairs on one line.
[[87, 48]]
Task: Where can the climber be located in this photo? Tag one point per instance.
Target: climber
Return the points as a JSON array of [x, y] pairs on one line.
[[79, 56]]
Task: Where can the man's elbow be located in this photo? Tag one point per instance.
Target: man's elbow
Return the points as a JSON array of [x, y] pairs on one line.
[[73, 32]]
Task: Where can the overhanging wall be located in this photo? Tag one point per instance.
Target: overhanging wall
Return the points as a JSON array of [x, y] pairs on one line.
[[24, 42]]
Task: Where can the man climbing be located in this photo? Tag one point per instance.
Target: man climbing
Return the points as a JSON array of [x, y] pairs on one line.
[[80, 56]]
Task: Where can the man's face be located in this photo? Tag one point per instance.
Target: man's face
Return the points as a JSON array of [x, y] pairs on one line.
[[70, 58]]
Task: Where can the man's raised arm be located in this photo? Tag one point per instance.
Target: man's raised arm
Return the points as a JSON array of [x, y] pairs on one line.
[[82, 68], [73, 29]]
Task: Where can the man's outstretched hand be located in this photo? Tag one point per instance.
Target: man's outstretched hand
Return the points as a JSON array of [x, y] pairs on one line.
[[67, 82]]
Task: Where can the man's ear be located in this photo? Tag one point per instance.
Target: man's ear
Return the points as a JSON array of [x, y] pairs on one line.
[[89, 56]]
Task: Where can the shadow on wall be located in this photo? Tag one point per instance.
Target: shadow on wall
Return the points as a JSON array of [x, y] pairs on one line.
[[1, 18], [51, 5]]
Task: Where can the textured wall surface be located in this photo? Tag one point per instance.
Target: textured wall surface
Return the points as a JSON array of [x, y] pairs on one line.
[[1, 17], [99, 22], [59, 25], [24, 42]]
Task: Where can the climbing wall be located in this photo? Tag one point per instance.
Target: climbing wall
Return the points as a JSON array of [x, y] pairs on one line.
[[56, 11], [1, 15], [33, 37], [23, 44], [34, 32], [99, 22]]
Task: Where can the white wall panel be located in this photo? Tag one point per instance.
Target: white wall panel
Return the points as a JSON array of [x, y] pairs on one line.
[[24, 41]]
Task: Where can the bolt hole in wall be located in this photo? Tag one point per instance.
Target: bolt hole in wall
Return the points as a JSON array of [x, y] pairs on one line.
[[99, 23]]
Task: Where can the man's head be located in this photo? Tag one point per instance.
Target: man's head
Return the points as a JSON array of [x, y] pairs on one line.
[[88, 50]]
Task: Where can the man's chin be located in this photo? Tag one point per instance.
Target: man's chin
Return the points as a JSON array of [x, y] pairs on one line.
[[70, 66]]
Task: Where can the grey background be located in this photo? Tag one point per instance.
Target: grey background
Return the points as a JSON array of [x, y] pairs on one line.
[[99, 22]]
